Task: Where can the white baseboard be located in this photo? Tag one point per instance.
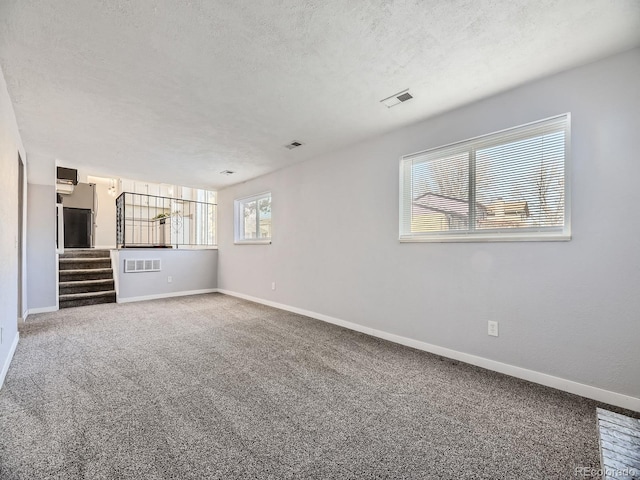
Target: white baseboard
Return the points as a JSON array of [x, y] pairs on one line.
[[588, 391], [31, 311], [5, 367], [165, 295]]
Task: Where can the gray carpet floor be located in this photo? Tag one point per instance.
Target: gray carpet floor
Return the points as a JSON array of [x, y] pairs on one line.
[[212, 386]]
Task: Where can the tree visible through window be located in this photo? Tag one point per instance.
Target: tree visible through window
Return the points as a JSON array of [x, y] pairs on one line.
[[253, 219], [510, 184]]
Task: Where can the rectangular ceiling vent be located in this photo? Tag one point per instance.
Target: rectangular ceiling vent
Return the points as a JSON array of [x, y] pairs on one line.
[[293, 145], [142, 265], [397, 99]]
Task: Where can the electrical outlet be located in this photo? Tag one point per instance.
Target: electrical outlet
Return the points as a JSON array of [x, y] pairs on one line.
[[273, 285], [169, 279], [493, 328]]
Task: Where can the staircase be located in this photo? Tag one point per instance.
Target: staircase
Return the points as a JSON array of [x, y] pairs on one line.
[[86, 278]]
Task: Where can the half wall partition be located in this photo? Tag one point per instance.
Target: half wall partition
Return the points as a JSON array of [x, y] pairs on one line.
[[149, 221]]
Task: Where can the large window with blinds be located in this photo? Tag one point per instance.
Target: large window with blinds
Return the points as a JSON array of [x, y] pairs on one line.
[[508, 185]]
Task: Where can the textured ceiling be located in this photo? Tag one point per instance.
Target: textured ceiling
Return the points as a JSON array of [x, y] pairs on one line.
[[177, 91]]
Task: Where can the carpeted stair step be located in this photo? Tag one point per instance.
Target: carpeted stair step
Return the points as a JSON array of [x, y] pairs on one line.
[[84, 263], [86, 278], [86, 274], [90, 298], [84, 286], [85, 253]]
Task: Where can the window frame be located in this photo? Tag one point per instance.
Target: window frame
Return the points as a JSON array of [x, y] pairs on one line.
[[239, 220], [498, 234]]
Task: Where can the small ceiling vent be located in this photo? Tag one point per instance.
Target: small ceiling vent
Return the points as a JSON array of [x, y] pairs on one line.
[[396, 99], [293, 145], [227, 172]]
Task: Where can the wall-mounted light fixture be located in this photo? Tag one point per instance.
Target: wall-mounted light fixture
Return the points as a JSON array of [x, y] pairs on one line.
[[112, 188]]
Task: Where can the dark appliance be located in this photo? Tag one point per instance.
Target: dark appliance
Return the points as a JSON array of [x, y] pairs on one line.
[[77, 227], [78, 216], [67, 175]]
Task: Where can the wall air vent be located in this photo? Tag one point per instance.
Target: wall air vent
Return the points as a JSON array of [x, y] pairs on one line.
[[227, 172], [293, 145], [397, 98], [142, 265]]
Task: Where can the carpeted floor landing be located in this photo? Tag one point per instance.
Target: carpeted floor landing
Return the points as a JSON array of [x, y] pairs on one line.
[[212, 386]]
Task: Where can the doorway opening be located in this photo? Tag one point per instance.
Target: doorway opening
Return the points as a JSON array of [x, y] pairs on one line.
[[19, 238]]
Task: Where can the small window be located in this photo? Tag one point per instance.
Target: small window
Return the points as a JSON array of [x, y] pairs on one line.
[[253, 219], [509, 185]]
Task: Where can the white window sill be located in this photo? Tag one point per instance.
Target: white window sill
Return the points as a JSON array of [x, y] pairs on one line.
[[252, 242], [487, 238]]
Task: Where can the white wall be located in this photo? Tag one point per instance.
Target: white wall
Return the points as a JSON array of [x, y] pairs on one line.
[[105, 214], [42, 267], [10, 144], [191, 271], [567, 309], [41, 169]]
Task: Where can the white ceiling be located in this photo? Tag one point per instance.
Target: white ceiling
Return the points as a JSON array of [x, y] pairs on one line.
[[177, 91]]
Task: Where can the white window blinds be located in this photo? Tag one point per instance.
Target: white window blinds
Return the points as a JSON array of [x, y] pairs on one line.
[[509, 185]]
